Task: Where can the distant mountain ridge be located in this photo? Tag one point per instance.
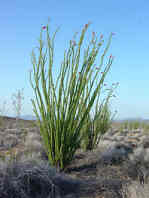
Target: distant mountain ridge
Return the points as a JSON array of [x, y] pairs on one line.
[[28, 117], [132, 120], [31, 117]]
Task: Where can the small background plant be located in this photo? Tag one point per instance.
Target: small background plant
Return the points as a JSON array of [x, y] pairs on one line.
[[132, 125], [17, 104], [145, 126], [3, 111]]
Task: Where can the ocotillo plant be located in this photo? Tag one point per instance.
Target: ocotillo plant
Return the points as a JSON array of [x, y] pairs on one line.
[[58, 104], [97, 125]]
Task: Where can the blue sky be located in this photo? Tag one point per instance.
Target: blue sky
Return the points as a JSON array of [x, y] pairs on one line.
[[21, 21]]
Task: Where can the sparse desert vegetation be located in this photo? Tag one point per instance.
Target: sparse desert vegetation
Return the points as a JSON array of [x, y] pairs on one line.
[[27, 171]]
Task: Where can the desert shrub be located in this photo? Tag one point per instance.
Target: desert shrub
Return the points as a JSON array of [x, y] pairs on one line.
[[28, 179], [135, 190], [60, 103], [135, 125], [145, 126], [125, 125], [130, 125]]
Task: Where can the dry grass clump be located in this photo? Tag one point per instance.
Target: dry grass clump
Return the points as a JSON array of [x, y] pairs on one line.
[[135, 190], [33, 142], [23, 180]]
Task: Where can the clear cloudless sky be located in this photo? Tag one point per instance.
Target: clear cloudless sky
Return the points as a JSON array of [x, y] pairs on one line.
[[20, 25]]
